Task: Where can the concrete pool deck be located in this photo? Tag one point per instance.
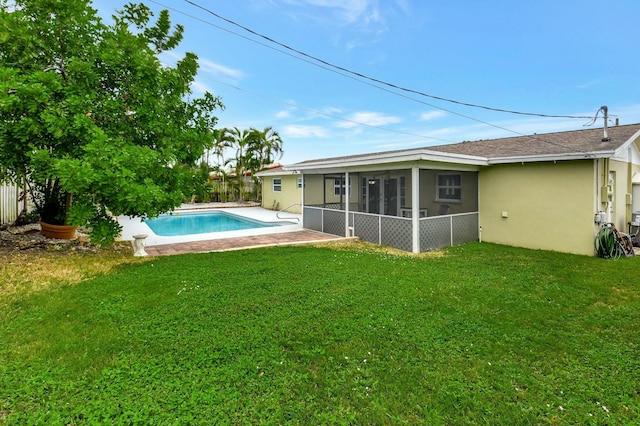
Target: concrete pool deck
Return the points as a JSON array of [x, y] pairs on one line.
[[291, 232], [240, 243]]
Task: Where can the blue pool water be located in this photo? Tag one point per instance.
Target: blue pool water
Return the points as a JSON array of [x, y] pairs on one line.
[[201, 223]]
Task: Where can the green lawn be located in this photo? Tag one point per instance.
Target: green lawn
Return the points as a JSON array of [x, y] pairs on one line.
[[478, 334]]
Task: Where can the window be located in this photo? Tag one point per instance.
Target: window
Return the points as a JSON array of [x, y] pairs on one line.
[[338, 186], [449, 187], [299, 183], [277, 185]]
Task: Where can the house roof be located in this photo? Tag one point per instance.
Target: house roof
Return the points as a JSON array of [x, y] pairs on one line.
[[576, 144], [586, 141], [276, 170]]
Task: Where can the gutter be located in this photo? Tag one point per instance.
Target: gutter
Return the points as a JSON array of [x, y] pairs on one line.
[[551, 157], [336, 165]]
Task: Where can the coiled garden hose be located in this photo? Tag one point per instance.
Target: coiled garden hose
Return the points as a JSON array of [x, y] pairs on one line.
[[608, 245]]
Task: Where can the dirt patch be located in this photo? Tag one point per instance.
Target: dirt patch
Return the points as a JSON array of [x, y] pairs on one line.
[[28, 239]]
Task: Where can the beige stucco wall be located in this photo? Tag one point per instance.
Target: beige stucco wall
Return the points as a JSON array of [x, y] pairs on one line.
[[289, 195], [315, 186], [428, 192], [548, 206]]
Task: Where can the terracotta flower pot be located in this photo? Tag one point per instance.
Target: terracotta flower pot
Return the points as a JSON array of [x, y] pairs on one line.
[[60, 232]]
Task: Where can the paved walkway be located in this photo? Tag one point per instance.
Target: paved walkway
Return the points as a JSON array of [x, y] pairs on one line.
[[223, 244]]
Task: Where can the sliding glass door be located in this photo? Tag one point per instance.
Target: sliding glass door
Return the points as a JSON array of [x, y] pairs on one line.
[[380, 195]]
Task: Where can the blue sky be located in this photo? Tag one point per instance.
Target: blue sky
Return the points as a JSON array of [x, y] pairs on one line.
[[553, 57]]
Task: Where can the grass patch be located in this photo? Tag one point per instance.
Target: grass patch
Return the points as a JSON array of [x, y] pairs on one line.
[[475, 334], [23, 273]]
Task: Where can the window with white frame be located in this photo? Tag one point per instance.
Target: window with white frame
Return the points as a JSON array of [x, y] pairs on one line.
[[449, 187], [277, 185], [299, 183], [338, 186]]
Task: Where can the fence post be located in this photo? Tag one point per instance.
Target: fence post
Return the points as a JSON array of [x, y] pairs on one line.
[[451, 225]]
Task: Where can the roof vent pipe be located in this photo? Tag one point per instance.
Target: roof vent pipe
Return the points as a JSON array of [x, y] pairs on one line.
[[605, 110]]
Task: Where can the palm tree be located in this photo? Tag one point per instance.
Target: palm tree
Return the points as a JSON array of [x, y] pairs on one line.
[[266, 148], [242, 141], [222, 140]]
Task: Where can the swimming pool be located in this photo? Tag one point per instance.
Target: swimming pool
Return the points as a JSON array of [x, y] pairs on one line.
[[190, 223]]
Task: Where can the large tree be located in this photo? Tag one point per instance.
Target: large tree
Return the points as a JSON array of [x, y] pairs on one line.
[[90, 119]]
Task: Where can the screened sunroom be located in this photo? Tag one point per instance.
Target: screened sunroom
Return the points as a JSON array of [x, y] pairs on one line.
[[413, 206]]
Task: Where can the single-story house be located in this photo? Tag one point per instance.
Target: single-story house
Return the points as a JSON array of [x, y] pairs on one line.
[[281, 189], [543, 191]]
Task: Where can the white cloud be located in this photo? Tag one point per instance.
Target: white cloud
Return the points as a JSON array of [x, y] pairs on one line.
[[219, 71], [206, 67], [283, 114], [432, 115], [368, 119], [349, 10], [199, 87], [300, 131], [404, 6], [588, 84], [361, 14], [329, 110]]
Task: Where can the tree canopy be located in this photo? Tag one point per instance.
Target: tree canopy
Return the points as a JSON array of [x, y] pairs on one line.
[[91, 120]]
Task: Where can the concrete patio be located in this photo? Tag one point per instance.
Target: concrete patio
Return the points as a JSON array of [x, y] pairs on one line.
[[240, 243]]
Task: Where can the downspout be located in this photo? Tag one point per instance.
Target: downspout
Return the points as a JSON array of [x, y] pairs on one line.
[[324, 191], [604, 190], [598, 201]]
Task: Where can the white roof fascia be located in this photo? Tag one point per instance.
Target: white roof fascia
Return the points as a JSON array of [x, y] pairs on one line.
[[391, 158], [280, 172], [628, 151], [551, 157], [630, 141]]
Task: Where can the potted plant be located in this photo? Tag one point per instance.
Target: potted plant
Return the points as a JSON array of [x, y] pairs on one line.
[[52, 204]]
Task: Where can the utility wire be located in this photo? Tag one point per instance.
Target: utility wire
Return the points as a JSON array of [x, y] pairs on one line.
[[294, 105], [350, 74], [385, 83], [353, 78], [326, 68]]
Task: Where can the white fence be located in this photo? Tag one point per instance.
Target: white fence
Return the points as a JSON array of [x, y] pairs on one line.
[[8, 203]]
